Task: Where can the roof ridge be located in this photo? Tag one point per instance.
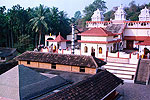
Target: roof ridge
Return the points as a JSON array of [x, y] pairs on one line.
[[94, 61]]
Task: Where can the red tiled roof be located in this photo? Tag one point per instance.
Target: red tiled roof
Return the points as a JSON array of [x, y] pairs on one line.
[[99, 42], [146, 42], [136, 38], [59, 38], [97, 32]]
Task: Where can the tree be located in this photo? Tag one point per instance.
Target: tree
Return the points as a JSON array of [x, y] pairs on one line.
[[58, 22], [77, 15], [3, 27], [24, 43], [38, 22], [97, 4]]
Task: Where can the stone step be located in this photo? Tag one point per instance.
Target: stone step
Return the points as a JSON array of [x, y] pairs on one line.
[[129, 77], [121, 71], [120, 68], [119, 60], [121, 65]]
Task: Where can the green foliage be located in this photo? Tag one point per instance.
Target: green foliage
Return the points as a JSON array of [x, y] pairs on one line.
[[97, 4], [38, 22], [21, 28], [23, 43], [132, 12]]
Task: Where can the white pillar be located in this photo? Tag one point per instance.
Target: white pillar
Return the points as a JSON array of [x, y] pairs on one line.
[[72, 44]]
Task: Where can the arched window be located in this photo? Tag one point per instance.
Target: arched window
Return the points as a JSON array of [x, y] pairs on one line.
[[54, 48], [85, 49], [100, 50]]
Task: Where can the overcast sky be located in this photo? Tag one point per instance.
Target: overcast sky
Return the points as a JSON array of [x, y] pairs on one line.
[[69, 6]]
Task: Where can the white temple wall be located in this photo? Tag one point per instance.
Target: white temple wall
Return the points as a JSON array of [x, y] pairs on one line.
[[137, 32], [96, 47], [93, 38], [63, 45]]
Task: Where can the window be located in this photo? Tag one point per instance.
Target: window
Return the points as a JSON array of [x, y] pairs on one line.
[[85, 49], [2, 58], [28, 62], [47, 43], [53, 66], [82, 69], [100, 50], [54, 48]]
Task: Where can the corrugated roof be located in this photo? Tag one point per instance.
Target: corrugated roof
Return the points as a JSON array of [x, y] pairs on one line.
[[93, 88], [64, 59]]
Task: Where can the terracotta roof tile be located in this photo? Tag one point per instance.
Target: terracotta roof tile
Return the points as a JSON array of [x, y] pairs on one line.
[[65, 59], [59, 38], [93, 88], [96, 32]]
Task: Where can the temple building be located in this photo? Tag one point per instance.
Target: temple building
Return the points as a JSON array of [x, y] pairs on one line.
[[124, 34]]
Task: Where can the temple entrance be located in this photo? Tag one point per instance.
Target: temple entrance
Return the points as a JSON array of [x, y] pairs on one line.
[[92, 52], [129, 44]]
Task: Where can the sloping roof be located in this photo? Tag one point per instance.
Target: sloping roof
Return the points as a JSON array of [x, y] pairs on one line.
[[59, 38], [116, 28], [21, 83], [96, 32], [146, 42], [136, 38], [143, 72], [93, 88], [7, 66], [5, 52], [64, 59]]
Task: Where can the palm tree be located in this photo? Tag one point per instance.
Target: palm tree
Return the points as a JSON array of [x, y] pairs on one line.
[[38, 22]]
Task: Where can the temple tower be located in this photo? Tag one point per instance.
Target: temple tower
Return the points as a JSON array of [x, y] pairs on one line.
[[97, 16], [144, 15], [120, 14]]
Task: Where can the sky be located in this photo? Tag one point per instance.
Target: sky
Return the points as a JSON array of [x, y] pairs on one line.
[[69, 6]]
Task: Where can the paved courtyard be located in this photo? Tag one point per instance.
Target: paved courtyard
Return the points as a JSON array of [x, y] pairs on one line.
[[130, 91]]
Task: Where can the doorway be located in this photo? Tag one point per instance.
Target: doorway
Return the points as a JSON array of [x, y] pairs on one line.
[[92, 52], [129, 44]]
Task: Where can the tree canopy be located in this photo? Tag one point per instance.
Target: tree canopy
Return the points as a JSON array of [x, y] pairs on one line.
[[132, 11], [20, 28]]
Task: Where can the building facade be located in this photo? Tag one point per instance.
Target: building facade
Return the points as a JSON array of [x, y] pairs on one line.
[[62, 62], [127, 34]]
